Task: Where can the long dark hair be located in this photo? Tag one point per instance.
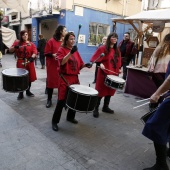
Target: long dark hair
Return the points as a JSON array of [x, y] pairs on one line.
[[67, 37], [116, 55], [21, 34], [58, 32]]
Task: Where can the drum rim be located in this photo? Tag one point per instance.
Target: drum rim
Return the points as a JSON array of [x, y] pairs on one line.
[[115, 80], [79, 110], [84, 93], [26, 72]]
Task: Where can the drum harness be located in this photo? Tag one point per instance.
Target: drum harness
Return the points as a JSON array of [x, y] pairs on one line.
[[26, 60], [62, 76]]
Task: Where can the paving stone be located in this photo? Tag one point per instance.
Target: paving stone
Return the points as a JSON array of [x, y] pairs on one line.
[[110, 142]]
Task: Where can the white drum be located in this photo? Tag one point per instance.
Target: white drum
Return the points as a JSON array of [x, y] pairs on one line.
[[81, 98], [114, 82]]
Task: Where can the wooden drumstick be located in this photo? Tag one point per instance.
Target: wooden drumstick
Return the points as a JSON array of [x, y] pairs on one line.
[[141, 105], [78, 33], [143, 100], [101, 55], [108, 70]]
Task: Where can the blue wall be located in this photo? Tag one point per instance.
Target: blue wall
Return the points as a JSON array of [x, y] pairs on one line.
[[89, 15], [72, 22]]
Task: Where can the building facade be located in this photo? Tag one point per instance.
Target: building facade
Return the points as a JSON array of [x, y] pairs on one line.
[[93, 16]]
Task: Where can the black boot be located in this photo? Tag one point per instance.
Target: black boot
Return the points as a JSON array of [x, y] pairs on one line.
[[46, 90], [96, 110], [57, 114], [28, 93], [20, 96], [106, 105], [49, 101], [160, 158], [168, 152]]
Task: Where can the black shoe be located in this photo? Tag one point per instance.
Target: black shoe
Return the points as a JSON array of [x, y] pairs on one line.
[[49, 103], [94, 82], [20, 96], [55, 126], [28, 93], [73, 121], [168, 153], [96, 113], [107, 110], [46, 91], [157, 167]]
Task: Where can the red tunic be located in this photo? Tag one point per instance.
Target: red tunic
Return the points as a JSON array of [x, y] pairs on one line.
[[108, 62], [69, 70], [26, 52], [51, 63]]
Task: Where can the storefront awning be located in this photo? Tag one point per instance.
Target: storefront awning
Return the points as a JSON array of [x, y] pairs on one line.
[[8, 36], [147, 16], [151, 15]]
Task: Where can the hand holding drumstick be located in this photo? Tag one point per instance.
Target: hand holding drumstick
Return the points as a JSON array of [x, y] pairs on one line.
[[103, 68]]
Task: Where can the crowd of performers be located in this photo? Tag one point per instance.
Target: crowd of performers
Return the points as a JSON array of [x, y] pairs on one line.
[[63, 65]]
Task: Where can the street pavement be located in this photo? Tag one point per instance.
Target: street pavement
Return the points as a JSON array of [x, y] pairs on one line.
[[110, 142]]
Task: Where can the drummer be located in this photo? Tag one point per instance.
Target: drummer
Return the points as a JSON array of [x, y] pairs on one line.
[[26, 53], [157, 127], [111, 61], [70, 64]]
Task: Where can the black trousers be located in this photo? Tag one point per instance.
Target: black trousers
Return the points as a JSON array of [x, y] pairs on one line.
[[58, 112], [50, 93], [42, 59]]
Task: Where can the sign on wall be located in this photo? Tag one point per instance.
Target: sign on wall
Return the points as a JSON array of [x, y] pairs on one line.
[[79, 11], [34, 34], [81, 39]]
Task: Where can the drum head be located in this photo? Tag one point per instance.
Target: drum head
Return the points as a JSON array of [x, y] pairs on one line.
[[14, 72], [116, 79], [83, 89]]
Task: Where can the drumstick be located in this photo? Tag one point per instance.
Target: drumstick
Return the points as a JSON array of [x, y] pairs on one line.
[[101, 55], [78, 33], [108, 70], [143, 100], [141, 105]]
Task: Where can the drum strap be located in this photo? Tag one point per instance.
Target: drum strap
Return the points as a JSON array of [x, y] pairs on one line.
[[61, 75]]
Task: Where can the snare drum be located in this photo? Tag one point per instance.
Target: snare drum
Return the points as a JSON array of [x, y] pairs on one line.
[[114, 82], [148, 115], [15, 79], [81, 98]]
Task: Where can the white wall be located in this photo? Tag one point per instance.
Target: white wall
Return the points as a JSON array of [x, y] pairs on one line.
[[48, 32], [126, 7]]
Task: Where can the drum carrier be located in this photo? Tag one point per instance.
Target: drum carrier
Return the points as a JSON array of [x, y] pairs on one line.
[[114, 82], [81, 98], [15, 79]]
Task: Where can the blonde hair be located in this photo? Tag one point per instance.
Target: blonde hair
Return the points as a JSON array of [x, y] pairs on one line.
[[165, 47]]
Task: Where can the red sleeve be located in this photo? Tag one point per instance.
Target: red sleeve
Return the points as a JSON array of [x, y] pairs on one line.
[[97, 55], [15, 43], [48, 48], [34, 49], [61, 54]]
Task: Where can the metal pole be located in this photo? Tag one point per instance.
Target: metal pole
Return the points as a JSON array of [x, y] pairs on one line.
[[1, 18]]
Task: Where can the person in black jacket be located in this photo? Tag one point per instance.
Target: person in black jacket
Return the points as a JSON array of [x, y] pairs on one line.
[[41, 47]]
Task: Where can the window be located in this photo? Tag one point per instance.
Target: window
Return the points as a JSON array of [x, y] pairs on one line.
[[97, 32]]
